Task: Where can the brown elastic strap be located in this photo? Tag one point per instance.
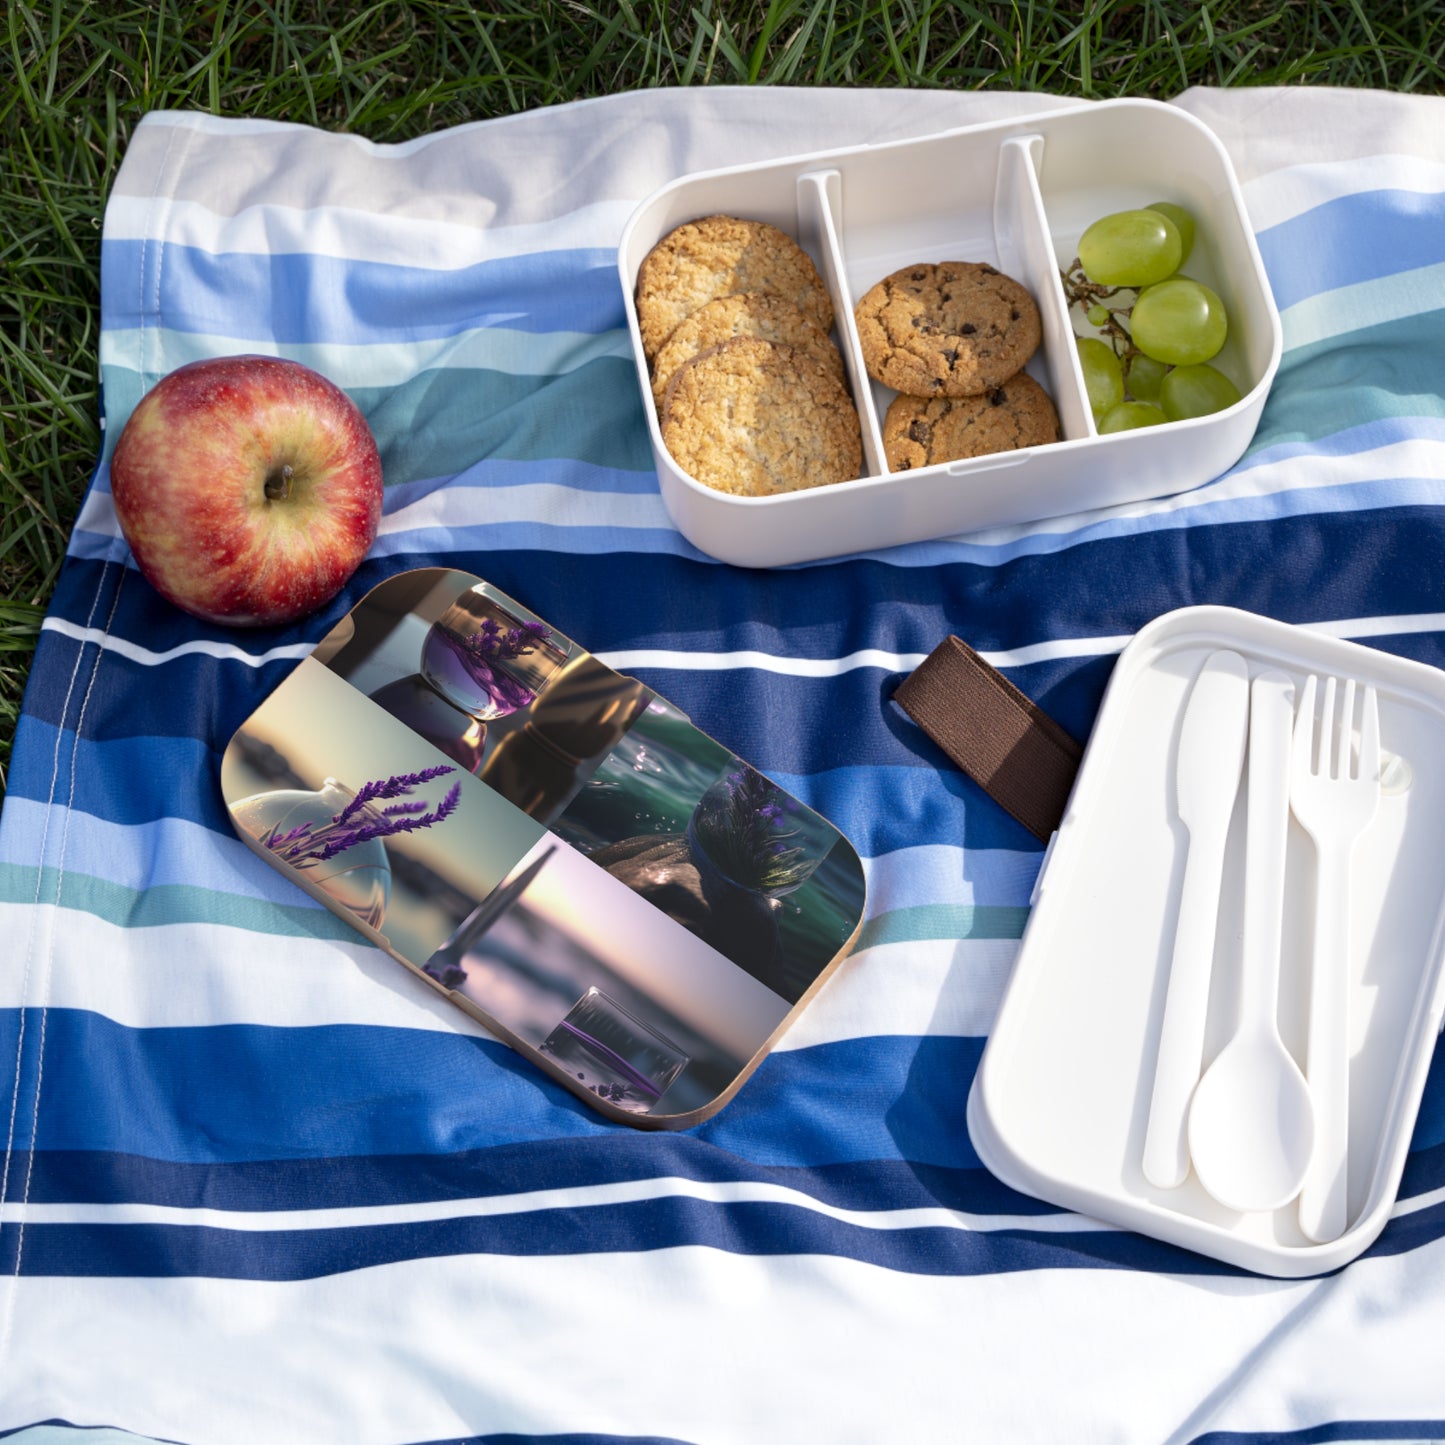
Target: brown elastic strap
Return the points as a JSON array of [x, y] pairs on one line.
[[1009, 746]]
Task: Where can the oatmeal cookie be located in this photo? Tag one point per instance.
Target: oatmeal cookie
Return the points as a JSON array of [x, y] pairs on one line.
[[717, 256], [748, 313], [956, 328], [918, 432], [753, 418]]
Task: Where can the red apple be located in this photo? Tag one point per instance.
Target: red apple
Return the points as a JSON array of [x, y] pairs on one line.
[[248, 487]]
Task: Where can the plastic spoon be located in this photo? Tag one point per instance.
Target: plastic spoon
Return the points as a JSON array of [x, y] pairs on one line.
[[1251, 1122], [1211, 754]]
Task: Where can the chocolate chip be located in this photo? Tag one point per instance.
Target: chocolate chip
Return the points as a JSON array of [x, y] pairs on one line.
[[949, 357], [1013, 316], [988, 271], [996, 397], [917, 275], [920, 431], [967, 329]]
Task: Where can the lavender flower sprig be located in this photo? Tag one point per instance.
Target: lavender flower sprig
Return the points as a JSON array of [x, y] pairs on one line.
[[397, 786], [357, 823]]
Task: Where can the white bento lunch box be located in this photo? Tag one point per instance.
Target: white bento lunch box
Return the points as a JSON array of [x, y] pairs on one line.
[[1061, 1102], [1016, 195]]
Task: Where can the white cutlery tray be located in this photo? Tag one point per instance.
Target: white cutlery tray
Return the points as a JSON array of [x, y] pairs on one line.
[[1017, 195], [1060, 1104]]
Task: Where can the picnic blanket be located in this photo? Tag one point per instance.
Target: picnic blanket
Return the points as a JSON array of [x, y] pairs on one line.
[[259, 1184]]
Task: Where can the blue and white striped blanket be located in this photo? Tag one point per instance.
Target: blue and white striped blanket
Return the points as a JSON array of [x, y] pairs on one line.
[[260, 1185]]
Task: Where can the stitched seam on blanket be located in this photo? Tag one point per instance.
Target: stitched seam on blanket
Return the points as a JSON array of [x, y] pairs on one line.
[[34, 926], [164, 190], [48, 969], [30, 952]]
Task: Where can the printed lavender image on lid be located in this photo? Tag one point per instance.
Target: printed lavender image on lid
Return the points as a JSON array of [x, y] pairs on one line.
[[720, 849], [477, 663], [559, 851], [614, 1052]]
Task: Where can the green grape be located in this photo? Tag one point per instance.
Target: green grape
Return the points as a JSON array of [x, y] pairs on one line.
[[1179, 322], [1098, 315], [1183, 223], [1103, 376], [1131, 414], [1144, 376], [1130, 248], [1196, 391]]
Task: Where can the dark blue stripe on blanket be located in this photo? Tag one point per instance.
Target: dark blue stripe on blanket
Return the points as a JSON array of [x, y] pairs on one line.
[[570, 1438], [756, 1229], [1417, 1432], [187, 697], [193, 697], [509, 1438], [115, 600], [752, 1228], [131, 780], [299, 298], [205, 1094], [143, 779], [58, 1176], [1410, 1231], [1342, 565]]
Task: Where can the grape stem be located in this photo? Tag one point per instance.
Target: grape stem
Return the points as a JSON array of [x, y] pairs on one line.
[[1081, 292]]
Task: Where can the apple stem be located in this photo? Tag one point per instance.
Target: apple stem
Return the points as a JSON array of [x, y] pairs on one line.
[[278, 484]]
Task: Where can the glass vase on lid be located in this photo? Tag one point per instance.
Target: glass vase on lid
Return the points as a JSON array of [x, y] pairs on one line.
[[613, 1054], [478, 663], [320, 833]]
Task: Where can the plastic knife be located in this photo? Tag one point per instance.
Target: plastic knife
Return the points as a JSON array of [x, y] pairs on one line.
[[1210, 760]]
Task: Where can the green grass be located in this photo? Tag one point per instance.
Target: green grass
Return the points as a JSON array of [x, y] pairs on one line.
[[76, 77]]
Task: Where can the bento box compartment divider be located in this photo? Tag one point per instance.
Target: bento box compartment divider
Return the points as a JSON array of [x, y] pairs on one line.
[[820, 225], [1025, 250]]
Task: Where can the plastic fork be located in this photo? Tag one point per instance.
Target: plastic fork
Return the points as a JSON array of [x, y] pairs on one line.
[[1334, 793]]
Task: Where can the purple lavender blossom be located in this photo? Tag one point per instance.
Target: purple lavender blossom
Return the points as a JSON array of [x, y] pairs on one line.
[[397, 786], [483, 653], [357, 822], [496, 645]]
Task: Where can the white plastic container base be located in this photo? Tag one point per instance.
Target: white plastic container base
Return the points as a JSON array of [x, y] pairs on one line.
[[1059, 1107], [1016, 195]]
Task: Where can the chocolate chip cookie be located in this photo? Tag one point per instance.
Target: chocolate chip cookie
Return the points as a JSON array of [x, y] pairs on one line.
[[955, 328], [753, 418], [717, 256], [749, 313], [918, 432]]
